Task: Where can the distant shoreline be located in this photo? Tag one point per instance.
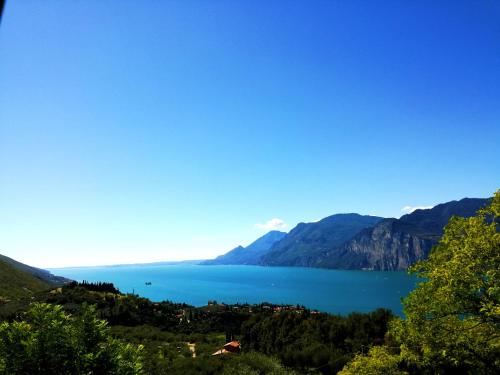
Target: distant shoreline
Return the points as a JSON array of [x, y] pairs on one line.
[[166, 263]]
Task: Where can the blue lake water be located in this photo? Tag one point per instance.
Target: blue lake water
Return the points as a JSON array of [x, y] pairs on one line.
[[333, 291]]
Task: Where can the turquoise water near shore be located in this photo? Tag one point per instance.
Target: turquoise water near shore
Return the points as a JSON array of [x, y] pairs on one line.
[[334, 291]]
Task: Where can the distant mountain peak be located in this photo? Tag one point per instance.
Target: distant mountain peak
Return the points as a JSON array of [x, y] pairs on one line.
[[250, 254]]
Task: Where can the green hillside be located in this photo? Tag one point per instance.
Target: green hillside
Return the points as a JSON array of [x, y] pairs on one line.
[[39, 273], [15, 283]]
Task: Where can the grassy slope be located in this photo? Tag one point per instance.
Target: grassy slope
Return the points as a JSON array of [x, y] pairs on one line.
[[37, 272], [15, 283]]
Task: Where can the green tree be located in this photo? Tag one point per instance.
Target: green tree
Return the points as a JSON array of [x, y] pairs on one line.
[[50, 341], [452, 323], [254, 363], [453, 318], [378, 361]]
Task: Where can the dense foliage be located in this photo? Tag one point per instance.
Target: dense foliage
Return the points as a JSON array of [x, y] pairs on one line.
[[452, 323], [378, 361], [116, 308], [96, 287], [50, 341], [315, 341], [169, 353], [294, 336]]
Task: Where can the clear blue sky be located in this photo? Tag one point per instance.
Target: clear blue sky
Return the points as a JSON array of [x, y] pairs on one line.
[[136, 131]]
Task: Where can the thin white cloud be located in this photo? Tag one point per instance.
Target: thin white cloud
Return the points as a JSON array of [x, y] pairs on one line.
[[273, 224], [410, 209]]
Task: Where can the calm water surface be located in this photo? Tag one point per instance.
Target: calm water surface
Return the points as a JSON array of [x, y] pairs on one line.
[[333, 291]]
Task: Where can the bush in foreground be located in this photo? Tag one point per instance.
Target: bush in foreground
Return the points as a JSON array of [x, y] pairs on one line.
[[50, 341]]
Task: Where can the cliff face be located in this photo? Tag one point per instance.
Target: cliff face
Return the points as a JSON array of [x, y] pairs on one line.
[[395, 244], [384, 247]]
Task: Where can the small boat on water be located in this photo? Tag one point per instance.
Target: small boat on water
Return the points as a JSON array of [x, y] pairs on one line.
[[148, 283]]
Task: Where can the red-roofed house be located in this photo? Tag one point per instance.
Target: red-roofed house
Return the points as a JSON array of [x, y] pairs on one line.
[[229, 348]]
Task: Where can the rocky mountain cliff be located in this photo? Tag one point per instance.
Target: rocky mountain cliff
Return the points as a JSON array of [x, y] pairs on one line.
[[395, 244]]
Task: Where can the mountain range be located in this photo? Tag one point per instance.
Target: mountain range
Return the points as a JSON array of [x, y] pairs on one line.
[[395, 244], [308, 241], [353, 241]]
